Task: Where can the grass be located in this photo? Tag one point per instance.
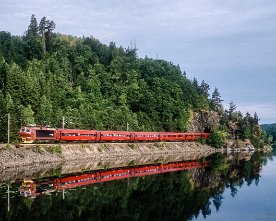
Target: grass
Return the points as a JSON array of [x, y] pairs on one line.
[[161, 145], [132, 146], [132, 163], [8, 145], [55, 149], [102, 147], [38, 148], [54, 172]]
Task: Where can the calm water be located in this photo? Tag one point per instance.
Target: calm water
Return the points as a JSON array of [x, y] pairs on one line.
[[229, 188], [251, 202]]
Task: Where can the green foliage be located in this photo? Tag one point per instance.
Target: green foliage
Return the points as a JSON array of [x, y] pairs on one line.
[[28, 202], [102, 147], [161, 145], [217, 138], [257, 142], [244, 127], [132, 146], [56, 172], [270, 130], [56, 149], [27, 115], [45, 76], [218, 163], [202, 140], [216, 101]]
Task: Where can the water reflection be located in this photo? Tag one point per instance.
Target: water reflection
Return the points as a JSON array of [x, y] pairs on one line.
[[182, 195], [31, 188]]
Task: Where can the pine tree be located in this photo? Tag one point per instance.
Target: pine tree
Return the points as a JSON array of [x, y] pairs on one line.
[[3, 118], [204, 87], [33, 48], [32, 31], [3, 74], [255, 118], [216, 101], [45, 28], [231, 111], [27, 115], [45, 112]]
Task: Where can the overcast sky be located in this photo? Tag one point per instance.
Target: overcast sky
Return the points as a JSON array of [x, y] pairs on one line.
[[230, 44]]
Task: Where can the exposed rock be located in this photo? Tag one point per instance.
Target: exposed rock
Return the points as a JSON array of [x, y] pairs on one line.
[[239, 145], [246, 145], [203, 121], [267, 148]]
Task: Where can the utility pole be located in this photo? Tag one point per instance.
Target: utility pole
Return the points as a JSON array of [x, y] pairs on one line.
[[127, 126], [9, 119], [63, 122]]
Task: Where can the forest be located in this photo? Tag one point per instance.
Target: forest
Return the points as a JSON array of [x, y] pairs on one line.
[[270, 130], [45, 76]]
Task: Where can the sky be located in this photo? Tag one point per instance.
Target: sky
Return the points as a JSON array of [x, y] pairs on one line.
[[231, 45]]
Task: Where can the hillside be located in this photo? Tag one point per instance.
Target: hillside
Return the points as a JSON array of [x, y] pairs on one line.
[[270, 130], [45, 76]]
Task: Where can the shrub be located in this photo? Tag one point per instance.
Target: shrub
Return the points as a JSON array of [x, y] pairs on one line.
[[54, 149], [217, 138]]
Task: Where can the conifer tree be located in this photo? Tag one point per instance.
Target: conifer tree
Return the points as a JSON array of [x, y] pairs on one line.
[[27, 115], [216, 101], [32, 31], [3, 118], [33, 48], [46, 28]]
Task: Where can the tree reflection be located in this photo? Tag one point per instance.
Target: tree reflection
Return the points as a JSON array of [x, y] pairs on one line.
[[170, 196], [217, 201], [234, 191]]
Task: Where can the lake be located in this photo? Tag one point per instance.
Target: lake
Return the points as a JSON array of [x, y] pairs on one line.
[[251, 202], [238, 186]]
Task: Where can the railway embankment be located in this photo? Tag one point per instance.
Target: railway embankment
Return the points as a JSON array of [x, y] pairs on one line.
[[29, 159]]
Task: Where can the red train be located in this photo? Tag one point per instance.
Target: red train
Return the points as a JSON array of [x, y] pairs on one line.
[[36, 134]]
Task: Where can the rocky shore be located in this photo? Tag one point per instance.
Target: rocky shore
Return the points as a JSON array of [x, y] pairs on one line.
[[40, 160], [244, 145], [32, 160]]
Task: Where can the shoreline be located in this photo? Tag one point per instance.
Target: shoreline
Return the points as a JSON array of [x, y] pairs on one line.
[[24, 155], [40, 160]]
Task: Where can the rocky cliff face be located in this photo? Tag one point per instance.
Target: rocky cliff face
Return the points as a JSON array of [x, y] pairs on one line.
[[203, 121], [239, 145]]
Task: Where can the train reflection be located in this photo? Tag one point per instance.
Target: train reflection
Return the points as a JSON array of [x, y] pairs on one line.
[[31, 188]]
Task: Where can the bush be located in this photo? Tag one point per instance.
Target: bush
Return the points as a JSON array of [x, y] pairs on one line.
[[257, 142], [202, 140], [217, 138], [55, 149]]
